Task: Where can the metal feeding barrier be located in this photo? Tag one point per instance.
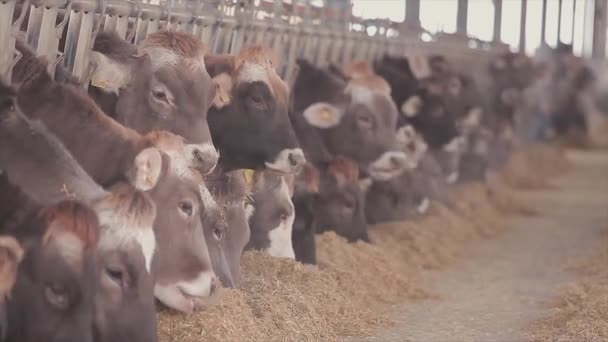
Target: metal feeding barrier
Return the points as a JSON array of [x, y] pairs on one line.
[[65, 30]]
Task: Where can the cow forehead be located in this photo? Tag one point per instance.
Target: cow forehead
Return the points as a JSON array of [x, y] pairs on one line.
[[263, 71], [162, 57]]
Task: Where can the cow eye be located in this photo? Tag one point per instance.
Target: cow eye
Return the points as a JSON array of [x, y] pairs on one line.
[[349, 204], [365, 121], [116, 275], [7, 104], [56, 296], [218, 234], [187, 208], [257, 99], [160, 95]]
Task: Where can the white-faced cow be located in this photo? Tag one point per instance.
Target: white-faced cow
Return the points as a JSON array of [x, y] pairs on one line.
[[273, 216]]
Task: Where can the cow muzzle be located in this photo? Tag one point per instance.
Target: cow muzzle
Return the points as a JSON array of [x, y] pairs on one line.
[[186, 296], [289, 160], [203, 157], [389, 165]]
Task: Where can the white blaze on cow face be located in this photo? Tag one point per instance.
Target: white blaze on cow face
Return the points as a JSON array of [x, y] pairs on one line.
[[254, 72], [280, 236], [183, 295], [452, 177], [389, 165], [411, 107], [71, 249], [288, 160]]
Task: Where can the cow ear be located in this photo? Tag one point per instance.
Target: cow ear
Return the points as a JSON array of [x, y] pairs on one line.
[[322, 115], [11, 254], [108, 74], [219, 64], [223, 93], [146, 170]]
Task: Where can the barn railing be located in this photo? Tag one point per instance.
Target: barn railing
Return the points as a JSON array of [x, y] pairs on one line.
[[64, 30]]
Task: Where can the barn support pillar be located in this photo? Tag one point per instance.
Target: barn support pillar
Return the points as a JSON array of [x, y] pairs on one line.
[[522, 26], [412, 12], [461, 19], [599, 29], [497, 19], [543, 25]]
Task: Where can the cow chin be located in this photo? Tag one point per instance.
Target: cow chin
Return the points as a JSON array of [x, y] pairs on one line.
[[289, 160], [390, 165], [186, 296]]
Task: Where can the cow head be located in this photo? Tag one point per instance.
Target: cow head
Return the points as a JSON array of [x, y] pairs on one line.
[[249, 118], [354, 117], [339, 205], [124, 309], [227, 227], [181, 264], [272, 220], [53, 295], [306, 187], [161, 85]]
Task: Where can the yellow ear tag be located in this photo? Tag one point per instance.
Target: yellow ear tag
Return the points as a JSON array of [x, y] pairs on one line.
[[248, 175], [100, 83], [326, 115]]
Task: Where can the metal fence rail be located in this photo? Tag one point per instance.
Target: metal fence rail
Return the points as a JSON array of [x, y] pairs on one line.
[[64, 30]]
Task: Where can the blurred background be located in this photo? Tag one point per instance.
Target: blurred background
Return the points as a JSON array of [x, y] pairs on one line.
[[569, 21]]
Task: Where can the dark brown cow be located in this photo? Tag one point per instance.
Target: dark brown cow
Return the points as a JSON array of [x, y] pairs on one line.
[[162, 84], [181, 264], [53, 296], [336, 116], [273, 216], [249, 119], [306, 187]]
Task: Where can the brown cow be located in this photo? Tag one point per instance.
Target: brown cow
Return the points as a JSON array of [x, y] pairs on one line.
[[162, 84], [249, 119], [53, 296], [181, 264], [227, 230], [46, 172], [335, 115]]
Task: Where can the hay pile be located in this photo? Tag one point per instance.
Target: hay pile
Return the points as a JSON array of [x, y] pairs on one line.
[[354, 285], [581, 314], [533, 167]]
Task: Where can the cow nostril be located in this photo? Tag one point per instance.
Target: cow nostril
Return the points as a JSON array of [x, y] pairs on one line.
[[198, 156], [395, 161], [295, 159]]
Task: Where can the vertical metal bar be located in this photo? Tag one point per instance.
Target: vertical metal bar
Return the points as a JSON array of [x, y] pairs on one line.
[[573, 21], [559, 21], [522, 26], [543, 25], [497, 19], [599, 30], [412, 12], [7, 42], [77, 43], [461, 17]]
